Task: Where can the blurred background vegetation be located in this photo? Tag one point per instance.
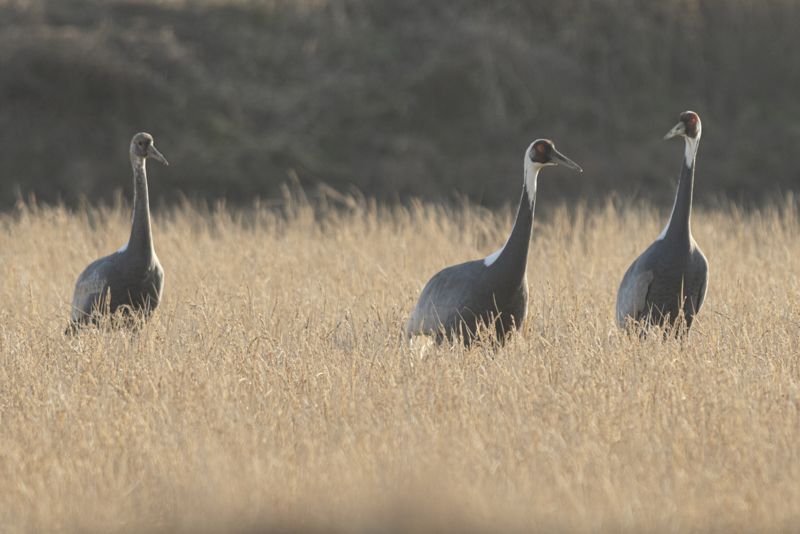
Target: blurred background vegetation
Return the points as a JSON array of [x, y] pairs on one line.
[[396, 98]]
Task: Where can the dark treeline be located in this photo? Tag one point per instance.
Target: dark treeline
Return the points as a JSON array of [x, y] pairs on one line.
[[396, 98]]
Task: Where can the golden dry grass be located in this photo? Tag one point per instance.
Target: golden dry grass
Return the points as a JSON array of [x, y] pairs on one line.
[[272, 388]]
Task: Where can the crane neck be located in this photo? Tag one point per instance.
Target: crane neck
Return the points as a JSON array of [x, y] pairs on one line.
[[512, 259], [679, 227], [141, 239]]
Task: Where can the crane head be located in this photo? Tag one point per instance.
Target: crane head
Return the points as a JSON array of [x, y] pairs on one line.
[[689, 126], [143, 147], [543, 152]]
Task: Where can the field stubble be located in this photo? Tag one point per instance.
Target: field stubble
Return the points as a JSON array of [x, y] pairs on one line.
[[272, 386]]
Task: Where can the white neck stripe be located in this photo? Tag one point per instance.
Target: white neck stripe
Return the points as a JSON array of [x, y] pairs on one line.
[[531, 170], [691, 149]]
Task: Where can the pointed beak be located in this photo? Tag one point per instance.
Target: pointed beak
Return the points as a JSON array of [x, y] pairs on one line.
[[561, 159], [678, 129], [156, 155]]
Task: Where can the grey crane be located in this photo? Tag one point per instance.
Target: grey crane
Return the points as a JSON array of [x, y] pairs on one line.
[[492, 291], [130, 278], [670, 278]]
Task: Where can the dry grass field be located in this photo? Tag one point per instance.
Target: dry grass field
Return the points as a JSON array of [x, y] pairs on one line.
[[272, 387]]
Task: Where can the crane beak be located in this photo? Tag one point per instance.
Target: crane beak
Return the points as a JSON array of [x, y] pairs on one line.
[[156, 155], [678, 129], [561, 159]]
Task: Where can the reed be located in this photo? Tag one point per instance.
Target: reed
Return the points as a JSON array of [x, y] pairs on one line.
[[272, 388]]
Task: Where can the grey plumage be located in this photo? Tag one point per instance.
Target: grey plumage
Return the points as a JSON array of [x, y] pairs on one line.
[[460, 298], [130, 279], [457, 300], [669, 279]]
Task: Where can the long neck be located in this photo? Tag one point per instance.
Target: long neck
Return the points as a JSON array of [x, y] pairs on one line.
[[512, 259], [679, 226], [141, 240]]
